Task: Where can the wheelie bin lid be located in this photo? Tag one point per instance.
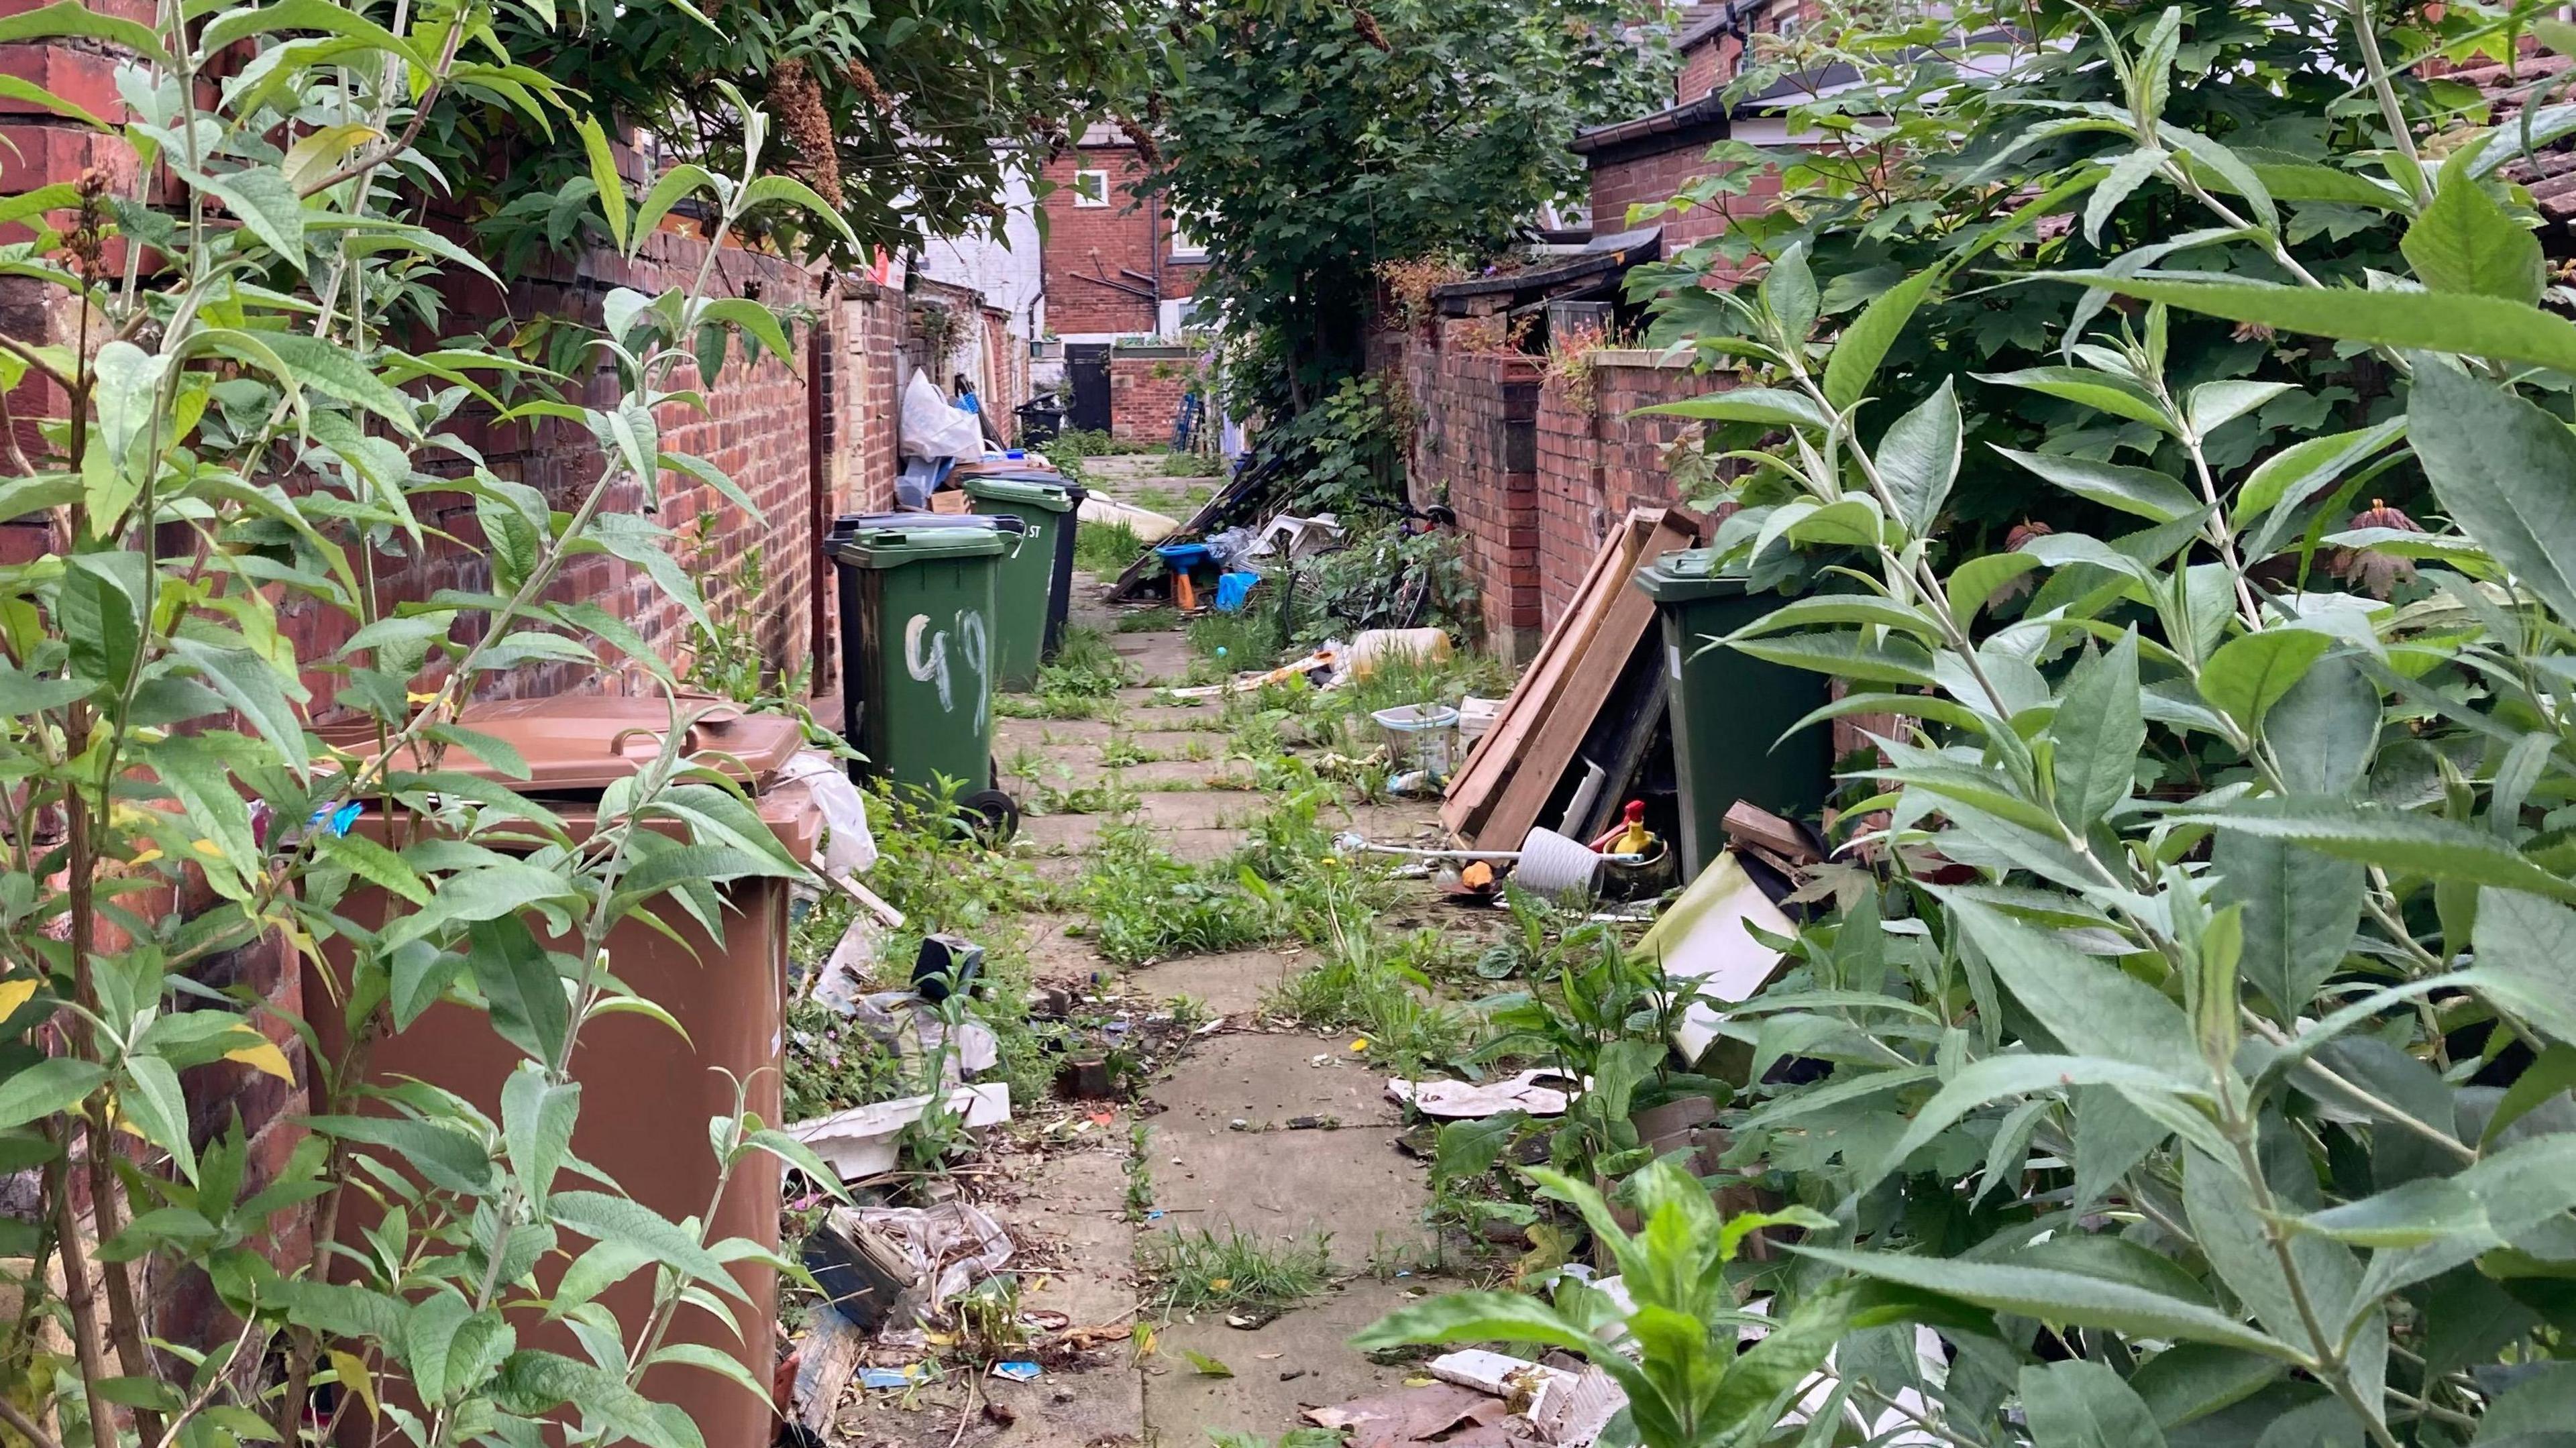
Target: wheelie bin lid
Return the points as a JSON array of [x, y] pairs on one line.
[[1054, 494], [1689, 574], [848, 525], [892, 545]]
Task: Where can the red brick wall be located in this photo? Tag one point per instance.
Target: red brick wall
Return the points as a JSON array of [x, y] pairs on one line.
[[1127, 242], [1595, 462], [1705, 66], [1477, 444], [1145, 396], [1651, 180]]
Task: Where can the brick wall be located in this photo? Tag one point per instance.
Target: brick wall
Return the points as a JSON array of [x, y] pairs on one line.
[[1654, 179], [1595, 462], [1477, 444], [1109, 268], [1145, 396]]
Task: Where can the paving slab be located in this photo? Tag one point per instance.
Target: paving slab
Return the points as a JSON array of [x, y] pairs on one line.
[[1301, 1360], [1196, 809], [1143, 713], [1229, 984], [1270, 1179], [1010, 734], [1155, 658], [1179, 743]]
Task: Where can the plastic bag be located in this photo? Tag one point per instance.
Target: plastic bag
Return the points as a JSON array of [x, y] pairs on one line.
[[930, 428]]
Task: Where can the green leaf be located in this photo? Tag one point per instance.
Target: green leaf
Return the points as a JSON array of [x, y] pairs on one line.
[[1991, 1078], [2465, 242], [2213, 405], [2250, 672], [766, 190], [2082, 1404], [444, 1156], [2544, 1079], [248, 683], [2302, 912], [1789, 290], [66, 18], [2091, 1007], [1975, 581], [2053, 1296], [676, 184], [2325, 729], [629, 1223], [2395, 839], [2298, 472], [1918, 459], [100, 610], [49, 1087], [2505, 471], [2192, 1380], [2097, 390], [533, 1383], [603, 174], [1206, 1366], [1891, 661], [537, 1119], [1864, 344], [2098, 732], [755, 320], [518, 977], [302, 15], [2528, 949], [2149, 494], [2432, 321], [2125, 176], [1476, 1317], [260, 198], [1768, 406], [335, 372]]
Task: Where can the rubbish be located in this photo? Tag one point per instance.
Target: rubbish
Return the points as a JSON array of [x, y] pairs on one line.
[[928, 427], [1018, 1372], [1518, 766], [1414, 782], [1594, 1399], [1088, 1079], [1551, 864], [1410, 1415], [886, 1378], [1470, 1100], [1320, 659], [1475, 716], [958, 1239], [826, 1358], [1629, 836], [1149, 526], [1578, 811], [1251, 1319], [860, 1142], [1532, 1390], [860, 1268], [1296, 537], [1233, 588], [843, 976], [1747, 823], [947, 963], [1370, 647], [1704, 938], [1418, 737]]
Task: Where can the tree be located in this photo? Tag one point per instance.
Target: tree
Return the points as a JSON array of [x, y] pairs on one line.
[[907, 118], [1309, 141]]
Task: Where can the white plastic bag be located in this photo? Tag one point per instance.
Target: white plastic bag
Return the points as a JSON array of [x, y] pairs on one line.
[[847, 844], [933, 429]]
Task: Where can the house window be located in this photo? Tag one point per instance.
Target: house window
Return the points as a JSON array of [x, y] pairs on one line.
[[1090, 188], [1787, 27], [1186, 247]]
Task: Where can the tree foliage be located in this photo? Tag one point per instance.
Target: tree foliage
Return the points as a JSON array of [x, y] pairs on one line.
[[251, 440], [1310, 142]]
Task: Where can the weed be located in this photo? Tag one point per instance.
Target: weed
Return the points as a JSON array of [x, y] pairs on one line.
[[832, 1065], [1107, 796], [1188, 1012], [1025, 763], [1105, 549], [1140, 1171], [1229, 643], [1189, 465], [1382, 994], [988, 1319], [1197, 1270], [1119, 751], [1159, 619], [1144, 904]]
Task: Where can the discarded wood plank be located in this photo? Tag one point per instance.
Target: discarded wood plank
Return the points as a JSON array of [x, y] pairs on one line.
[[866, 899], [1585, 688], [1751, 824]]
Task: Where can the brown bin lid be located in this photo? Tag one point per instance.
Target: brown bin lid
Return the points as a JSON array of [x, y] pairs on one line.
[[584, 742]]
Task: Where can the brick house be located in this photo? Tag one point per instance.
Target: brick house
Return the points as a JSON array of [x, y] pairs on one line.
[[1119, 271], [1651, 158]]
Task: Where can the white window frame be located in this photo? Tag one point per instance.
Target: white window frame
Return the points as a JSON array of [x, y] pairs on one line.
[[1087, 199], [1186, 247]]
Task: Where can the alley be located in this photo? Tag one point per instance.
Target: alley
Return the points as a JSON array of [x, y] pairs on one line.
[[1254, 1140]]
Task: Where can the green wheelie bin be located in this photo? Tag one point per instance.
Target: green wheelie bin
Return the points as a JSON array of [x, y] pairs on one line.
[[922, 654], [1730, 709], [1033, 589]]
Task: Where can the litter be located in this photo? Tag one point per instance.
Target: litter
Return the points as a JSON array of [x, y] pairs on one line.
[[1410, 1415], [861, 1141], [1296, 537], [1471, 1100], [889, 1378], [957, 1241], [1320, 659], [1149, 526], [1417, 737], [1534, 1390], [1704, 938], [1371, 647], [1233, 588], [928, 427], [861, 1268], [826, 1358], [848, 846], [1019, 1372]]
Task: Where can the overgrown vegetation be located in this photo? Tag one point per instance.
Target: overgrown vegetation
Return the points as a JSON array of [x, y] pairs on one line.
[[1198, 1270], [2195, 1065], [1104, 550]]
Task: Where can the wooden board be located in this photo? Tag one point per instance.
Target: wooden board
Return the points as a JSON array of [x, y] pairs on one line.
[[1586, 689], [1489, 765]]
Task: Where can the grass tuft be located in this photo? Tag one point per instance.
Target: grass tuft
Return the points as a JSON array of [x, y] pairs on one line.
[[1198, 1270]]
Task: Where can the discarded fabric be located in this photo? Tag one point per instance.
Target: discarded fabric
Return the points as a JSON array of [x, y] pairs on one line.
[[1462, 1100]]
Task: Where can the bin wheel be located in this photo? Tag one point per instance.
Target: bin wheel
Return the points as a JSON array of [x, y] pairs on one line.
[[995, 816]]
